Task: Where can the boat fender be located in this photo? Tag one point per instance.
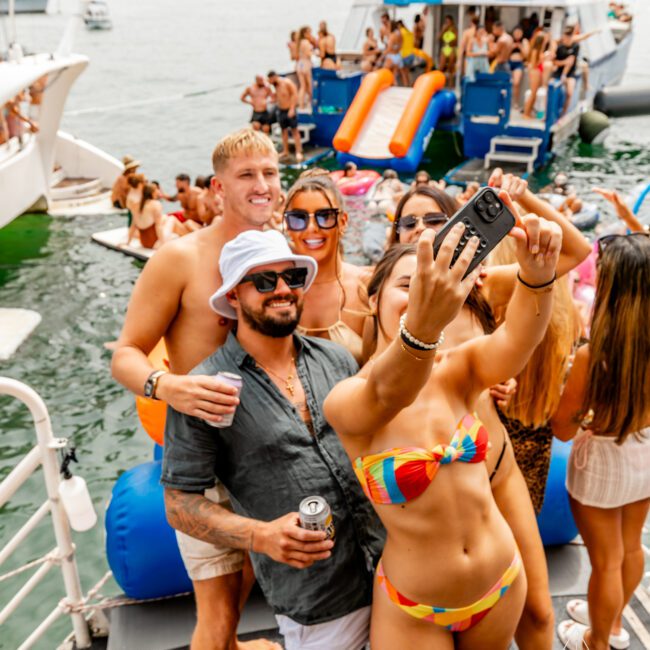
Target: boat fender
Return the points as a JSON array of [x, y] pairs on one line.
[[594, 126], [622, 101], [141, 546], [555, 521]]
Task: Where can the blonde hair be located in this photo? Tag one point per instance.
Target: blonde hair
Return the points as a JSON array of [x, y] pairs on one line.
[[540, 383], [244, 141]]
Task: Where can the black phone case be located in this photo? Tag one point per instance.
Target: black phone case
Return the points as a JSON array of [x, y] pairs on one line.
[[484, 216]]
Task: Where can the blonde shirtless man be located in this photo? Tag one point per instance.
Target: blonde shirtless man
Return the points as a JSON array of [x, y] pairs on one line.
[[257, 95], [170, 301]]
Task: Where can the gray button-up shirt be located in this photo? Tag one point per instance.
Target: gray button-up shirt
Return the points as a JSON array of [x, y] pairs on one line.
[[269, 461]]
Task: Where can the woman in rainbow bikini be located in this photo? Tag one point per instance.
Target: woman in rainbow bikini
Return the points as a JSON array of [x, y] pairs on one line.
[[451, 573]]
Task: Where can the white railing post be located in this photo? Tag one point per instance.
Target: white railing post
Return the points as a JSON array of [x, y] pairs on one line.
[[48, 446]]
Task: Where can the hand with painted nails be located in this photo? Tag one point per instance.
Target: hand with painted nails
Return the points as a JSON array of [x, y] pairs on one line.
[[537, 245]]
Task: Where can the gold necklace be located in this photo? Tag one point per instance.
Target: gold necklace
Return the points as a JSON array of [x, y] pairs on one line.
[[288, 380]]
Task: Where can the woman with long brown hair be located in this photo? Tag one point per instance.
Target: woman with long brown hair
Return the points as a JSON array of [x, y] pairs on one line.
[[605, 408], [304, 66], [315, 220], [402, 403]]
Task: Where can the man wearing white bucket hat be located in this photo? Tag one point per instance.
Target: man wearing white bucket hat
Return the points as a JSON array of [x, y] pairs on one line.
[[278, 450]]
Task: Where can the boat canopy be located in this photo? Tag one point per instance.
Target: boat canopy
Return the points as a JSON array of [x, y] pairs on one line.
[[16, 76]]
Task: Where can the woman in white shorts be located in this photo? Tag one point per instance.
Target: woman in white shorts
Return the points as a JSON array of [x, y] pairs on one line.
[[607, 402]]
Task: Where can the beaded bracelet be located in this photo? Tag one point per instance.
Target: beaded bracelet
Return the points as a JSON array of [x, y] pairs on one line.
[[411, 341]]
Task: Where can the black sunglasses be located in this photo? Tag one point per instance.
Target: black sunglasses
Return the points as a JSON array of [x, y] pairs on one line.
[[604, 242], [267, 281], [430, 220], [297, 220]]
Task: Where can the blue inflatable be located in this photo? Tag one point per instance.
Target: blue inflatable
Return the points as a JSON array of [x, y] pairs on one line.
[[555, 521], [140, 545]]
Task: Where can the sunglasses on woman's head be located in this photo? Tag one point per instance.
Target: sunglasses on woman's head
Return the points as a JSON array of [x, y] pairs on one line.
[[267, 281], [604, 242], [430, 220], [297, 220]]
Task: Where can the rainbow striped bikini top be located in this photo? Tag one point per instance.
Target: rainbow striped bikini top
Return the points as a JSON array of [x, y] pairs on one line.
[[404, 473]]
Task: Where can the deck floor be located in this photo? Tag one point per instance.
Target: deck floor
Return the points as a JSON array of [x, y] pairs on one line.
[[168, 624]]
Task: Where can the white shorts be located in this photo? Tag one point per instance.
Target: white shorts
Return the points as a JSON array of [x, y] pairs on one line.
[[204, 561], [603, 474], [349, 632]]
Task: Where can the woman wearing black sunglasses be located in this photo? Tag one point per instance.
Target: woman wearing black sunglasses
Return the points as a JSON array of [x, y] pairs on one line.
[[423, 206], [605, 408], [315, 221]]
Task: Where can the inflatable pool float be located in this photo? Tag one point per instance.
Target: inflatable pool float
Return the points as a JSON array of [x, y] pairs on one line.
[[356, 185], [153, 412], [141, 546], [587, 218]]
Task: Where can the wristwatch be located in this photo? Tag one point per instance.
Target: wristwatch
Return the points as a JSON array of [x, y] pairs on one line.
[[152, 383]]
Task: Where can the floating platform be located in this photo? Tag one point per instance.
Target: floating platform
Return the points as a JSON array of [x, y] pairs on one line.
[[15, 327], [114, 240]]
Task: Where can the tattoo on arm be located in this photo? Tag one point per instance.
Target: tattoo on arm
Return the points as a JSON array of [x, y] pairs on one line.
[[197, 516]]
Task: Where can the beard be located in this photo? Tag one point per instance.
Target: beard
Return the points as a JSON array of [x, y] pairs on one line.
[[276, 326]]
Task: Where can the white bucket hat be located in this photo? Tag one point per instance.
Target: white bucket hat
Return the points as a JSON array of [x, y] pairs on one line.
[[248, 250]]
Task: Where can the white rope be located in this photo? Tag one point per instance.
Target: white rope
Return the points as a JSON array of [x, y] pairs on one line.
[[52, 556], [107, 602]]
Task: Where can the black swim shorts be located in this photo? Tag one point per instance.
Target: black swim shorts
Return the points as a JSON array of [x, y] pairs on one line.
[[262, 117], [285, 121]]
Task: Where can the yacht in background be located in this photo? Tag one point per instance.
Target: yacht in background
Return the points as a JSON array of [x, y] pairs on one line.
[[97, 16], [47, 169]]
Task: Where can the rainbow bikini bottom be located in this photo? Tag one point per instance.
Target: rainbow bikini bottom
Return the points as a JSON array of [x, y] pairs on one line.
[[456, 619]]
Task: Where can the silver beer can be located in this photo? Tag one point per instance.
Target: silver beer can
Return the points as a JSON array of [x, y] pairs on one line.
[[315, 514], [232, 380]]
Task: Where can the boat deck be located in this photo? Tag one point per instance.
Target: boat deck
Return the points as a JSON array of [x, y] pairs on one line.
[[167, 624]]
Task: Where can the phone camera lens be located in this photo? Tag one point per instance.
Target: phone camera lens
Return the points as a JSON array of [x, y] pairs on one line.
[[481, 205], [493, 210], [489, 197]]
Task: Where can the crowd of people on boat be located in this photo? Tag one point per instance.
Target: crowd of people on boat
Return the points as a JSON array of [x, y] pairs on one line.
[[19, 115], [418, 400]]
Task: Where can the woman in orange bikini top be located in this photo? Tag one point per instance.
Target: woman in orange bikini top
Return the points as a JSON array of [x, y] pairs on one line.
[[450, 572], [335, 306]]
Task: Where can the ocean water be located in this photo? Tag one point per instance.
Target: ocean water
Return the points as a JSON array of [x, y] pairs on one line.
[[133, 99]]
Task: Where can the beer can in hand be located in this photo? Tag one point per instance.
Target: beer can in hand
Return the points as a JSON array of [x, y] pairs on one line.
[[232, 380], [315, 514]]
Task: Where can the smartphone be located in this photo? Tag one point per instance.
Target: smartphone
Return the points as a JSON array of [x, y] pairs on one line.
[[484, 216]]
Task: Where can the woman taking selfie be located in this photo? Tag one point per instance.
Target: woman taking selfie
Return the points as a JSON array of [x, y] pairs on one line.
[[400, 418]]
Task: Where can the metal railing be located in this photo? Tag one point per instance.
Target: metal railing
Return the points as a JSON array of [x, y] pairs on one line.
[[43, 454]]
